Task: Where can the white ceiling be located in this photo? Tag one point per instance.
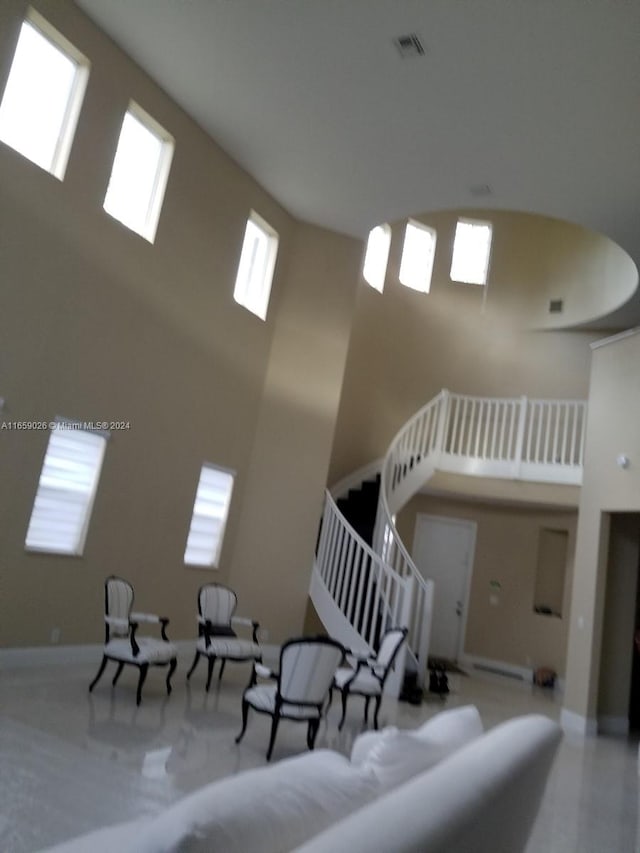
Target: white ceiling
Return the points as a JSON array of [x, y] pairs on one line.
[[538, 99]]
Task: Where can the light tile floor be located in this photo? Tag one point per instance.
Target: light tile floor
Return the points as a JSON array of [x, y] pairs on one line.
[[70, 761]]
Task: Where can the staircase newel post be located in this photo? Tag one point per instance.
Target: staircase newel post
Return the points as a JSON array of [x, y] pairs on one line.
[[394, 681], [442, 426], [516, 462]]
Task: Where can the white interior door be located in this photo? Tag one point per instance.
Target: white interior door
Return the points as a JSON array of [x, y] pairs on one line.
[[443, 551]]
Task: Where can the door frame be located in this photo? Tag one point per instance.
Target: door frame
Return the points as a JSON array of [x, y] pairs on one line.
[[472, 526]]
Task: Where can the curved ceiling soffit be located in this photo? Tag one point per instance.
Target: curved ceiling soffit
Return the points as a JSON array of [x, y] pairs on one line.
[[560, 274]]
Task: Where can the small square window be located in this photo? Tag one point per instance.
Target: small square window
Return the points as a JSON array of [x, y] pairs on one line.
[[140, 173], [43, 95], [471, 251], [418, 252], [210, 511], [66, 489], [377, 256], [257, 262]]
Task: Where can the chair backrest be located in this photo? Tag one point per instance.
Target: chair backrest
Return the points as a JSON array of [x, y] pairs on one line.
[[217, 603], [118, 601], [389, 648], [307, 667]]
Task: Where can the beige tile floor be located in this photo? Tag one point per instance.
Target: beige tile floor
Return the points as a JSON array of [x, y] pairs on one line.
[[70, 761]]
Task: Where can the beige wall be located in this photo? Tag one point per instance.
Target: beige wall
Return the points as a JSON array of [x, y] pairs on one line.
[[587, 271], [614, 412], [406, 346], [506, 551], [97, 324], [285, 488]]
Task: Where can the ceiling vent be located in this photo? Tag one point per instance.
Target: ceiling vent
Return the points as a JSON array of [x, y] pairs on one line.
[[556, 306], [409, 45], [480, 190]]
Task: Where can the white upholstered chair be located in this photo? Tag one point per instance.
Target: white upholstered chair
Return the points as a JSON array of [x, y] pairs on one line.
[[216, 635], [122, 642], [368, 676], [298, 690]]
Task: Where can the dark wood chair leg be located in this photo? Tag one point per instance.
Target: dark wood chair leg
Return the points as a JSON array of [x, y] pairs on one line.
[[329, 700], [100, 671], [193, 665], [172, 668], [377, 710], [211, 661], [222, 666], [143, 674], [117, 675], [312, 732], [345, 696], [274, 729], [245, 717]]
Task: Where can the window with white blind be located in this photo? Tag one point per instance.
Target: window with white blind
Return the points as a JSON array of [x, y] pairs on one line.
[[377, 256], [257, 262], [418, 252], [140, 173], [471, 251], [66, 489], [43, 95], [210, 511]]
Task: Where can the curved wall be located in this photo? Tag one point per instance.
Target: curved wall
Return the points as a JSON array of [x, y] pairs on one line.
[[406, 346], [587, 272]]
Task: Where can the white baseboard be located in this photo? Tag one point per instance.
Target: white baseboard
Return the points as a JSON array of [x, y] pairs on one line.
[[497, 667], [48, 656], [19, 658], [577, 724]]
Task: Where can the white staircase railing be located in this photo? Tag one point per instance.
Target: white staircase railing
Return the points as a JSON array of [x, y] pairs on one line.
[[513, 438], [536, 440], [356, 593]]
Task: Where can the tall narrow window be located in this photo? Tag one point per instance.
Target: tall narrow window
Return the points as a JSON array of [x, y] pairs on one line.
[[377, 256], [140, 173], [257, 262], [210, 511], [66, 489], [471, 251], [43, 95], [418, 252]]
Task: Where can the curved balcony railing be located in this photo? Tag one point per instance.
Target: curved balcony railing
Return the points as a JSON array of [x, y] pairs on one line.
[[512, 438]]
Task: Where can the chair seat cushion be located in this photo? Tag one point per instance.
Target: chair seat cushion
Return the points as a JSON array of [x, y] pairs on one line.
[[152, 651], [229, 647], [364, 682], [262, 697]]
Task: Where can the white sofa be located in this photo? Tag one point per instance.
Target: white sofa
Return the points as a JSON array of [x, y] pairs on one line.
[[445, 786]]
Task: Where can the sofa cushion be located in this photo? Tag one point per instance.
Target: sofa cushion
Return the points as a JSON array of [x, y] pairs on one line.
[[267, 810], [453, 727], [396, 756], [484, 798]]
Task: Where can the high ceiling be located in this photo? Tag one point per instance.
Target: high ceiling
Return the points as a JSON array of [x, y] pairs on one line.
[[530, 105]]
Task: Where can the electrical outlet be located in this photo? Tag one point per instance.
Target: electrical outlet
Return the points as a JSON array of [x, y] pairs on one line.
[[55, 635]]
